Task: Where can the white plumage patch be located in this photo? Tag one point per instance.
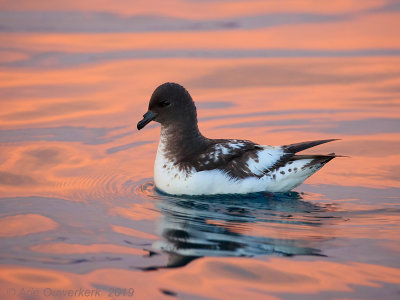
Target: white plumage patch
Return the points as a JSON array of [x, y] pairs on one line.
[[265, 159]]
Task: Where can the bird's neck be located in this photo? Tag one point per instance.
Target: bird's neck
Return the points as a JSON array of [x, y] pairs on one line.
[[179, 141]]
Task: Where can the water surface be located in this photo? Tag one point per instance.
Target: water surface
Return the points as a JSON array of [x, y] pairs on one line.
[[78, 206]]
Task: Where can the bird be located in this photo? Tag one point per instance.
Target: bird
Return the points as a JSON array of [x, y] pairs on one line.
[[188, 163]]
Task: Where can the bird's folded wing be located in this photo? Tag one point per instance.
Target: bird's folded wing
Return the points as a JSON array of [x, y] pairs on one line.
[[240, 158]]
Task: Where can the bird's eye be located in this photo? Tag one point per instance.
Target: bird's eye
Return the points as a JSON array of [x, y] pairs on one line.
[[164, 103]]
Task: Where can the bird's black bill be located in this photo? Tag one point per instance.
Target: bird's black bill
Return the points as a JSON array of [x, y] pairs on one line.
[[147, 118]]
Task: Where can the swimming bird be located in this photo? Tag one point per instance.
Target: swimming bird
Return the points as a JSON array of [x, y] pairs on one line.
[[188, 163]]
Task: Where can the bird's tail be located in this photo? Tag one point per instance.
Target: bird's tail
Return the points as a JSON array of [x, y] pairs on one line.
[[297, 169], [294, 148]]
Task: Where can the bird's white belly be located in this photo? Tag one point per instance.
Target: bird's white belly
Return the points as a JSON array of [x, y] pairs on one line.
[[174, 181]]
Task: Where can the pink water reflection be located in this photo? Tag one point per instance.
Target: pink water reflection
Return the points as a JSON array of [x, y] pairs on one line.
[[78, 206]]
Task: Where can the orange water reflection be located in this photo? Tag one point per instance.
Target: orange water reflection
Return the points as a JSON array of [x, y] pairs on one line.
[[262, 86], [25, 224], [77, 204], [196, 10], [219, 278]]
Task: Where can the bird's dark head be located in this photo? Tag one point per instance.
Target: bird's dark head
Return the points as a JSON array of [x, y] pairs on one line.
[[170, 104]]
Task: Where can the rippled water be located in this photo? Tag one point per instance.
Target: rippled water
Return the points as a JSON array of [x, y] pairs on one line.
[[78, 206]]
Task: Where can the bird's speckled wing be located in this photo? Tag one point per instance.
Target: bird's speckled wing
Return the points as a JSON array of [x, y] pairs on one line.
[[238, 158], [242, 158]]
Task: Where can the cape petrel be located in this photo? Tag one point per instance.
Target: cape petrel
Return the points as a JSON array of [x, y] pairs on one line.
[[188, 163]]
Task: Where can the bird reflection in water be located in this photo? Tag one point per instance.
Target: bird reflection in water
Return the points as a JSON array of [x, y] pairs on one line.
[[239, 225]]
